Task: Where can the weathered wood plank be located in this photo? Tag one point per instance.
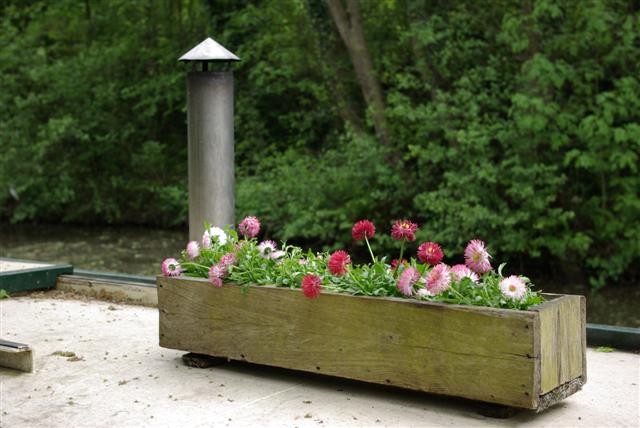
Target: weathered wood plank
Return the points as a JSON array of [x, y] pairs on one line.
[[562, 341], [558, 394], [105, 289], [16, 356], [478, 353]]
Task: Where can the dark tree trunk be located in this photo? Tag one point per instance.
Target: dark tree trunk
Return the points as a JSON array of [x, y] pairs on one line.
[[349, 24]]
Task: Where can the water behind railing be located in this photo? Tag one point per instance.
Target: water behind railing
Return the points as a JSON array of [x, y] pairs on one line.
[[139, 251], [132, 250]]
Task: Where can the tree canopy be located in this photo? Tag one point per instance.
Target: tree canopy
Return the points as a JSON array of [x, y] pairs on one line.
[[517, 123]]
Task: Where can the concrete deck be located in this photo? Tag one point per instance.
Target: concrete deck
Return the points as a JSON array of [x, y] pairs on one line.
[[117, 376], [11, 265]]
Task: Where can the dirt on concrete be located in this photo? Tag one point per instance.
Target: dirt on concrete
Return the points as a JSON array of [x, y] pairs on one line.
[[86, 295]]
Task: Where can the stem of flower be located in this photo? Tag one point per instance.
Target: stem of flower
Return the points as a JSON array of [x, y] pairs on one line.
[[486, 295], [401, 251], [444, 299], [331, 288], [196, 265], [353, 278], [369, 247], [462, 298]]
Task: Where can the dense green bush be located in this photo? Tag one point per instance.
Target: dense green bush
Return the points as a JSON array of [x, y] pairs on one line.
[[517, 123], [92, 111], [534, 144]]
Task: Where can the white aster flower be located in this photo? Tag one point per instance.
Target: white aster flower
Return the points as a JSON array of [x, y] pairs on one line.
[[513, 288], [214, 234], [423, 292], [277, 254], [267, 248]]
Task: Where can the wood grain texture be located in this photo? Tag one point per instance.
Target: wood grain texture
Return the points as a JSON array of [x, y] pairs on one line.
[[562, 341], [478, 353], [16, 358], [558, 394]]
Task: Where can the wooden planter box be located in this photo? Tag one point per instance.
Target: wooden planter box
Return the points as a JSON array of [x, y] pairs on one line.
[[528, 359]]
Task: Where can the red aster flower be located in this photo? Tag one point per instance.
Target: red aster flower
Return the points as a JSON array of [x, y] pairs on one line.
[[430, 252], [363, 229], [395, 263], [311, 285], [404, 229], [338, 263]]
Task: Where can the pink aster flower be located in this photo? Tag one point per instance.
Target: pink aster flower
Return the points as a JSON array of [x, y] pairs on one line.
[[408, 277], [227, 260], [430, 253], [311, 285], [216, 273], [171, 267], [476, 257], [266, 248], [193, 250], [513, 287], [404, 229], [249, 227], [363, 229], [462, 271], [439, 279], [206, 240], [338, 263]]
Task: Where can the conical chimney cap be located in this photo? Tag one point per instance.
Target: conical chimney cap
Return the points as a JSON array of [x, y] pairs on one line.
[[209, 50]]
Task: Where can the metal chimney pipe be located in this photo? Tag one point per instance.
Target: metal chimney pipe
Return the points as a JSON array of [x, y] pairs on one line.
[[211, 140]]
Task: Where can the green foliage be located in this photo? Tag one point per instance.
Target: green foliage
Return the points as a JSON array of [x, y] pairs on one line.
[[92, 110], [529, 145], [3, 294], [315, 196], [518, 124], [256, 265], [287, 271]]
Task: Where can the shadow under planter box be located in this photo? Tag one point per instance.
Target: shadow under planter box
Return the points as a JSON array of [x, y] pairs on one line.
[[526, 359], [24, 275]]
